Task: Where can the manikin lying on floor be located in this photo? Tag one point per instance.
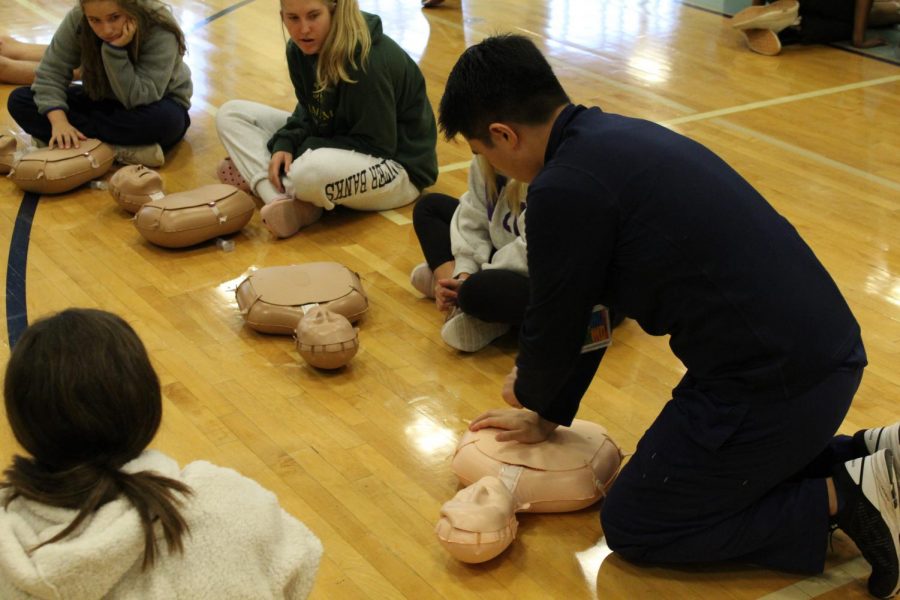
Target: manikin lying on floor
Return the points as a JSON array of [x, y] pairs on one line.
[[569, 471]]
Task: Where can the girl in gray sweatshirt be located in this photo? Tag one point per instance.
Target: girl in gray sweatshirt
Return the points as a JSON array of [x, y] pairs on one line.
[[136, 88]]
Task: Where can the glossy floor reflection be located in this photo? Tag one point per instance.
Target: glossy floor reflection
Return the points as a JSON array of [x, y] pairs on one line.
[[362, 454]]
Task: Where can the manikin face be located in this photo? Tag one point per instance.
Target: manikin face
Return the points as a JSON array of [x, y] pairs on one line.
[[320, 326], [106, 18], [486, 505], [308, 23]]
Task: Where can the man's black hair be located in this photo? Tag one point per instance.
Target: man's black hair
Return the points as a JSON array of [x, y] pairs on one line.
[[505, 78]]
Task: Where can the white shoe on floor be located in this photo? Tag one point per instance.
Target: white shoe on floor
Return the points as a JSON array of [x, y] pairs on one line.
[[422, 278], [870, 516], [465, 332], [879, 438], [150, 155]]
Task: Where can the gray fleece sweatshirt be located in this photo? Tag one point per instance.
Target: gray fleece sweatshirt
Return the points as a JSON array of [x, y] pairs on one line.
[[159, 72]]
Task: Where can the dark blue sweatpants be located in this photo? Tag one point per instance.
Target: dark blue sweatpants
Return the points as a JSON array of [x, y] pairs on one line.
[[717, 479], [163, 122]]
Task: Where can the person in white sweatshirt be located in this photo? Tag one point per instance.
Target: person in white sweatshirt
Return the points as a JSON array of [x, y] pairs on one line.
[[89, 512], [474, 247]]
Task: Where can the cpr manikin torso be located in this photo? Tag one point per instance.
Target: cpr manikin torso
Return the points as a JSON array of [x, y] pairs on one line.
[[569, 471]]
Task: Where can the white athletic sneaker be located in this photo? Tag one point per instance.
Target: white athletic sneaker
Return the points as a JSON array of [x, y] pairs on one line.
[[465, 332], [879, 438], [150, 155], [871, 516], [422, 278]]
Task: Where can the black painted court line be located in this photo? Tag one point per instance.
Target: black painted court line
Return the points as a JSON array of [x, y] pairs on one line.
[[213, 17], [862, 51], [17, 263]]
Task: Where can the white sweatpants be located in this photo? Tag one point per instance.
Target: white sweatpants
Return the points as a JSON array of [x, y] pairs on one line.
[[325, 177]]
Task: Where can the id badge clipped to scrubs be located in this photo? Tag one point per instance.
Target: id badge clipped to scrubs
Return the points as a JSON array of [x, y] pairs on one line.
[[599, 331]]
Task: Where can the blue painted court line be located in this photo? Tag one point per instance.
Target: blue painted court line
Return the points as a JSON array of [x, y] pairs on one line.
[[16, 308], [17, 263]]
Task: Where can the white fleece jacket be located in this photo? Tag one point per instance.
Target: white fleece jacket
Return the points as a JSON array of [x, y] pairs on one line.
[[477, 230], [242, 544]]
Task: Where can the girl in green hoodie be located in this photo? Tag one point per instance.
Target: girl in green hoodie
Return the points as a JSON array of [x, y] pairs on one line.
[[362, 134]]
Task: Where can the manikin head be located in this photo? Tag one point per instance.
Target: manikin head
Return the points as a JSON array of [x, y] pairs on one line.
[[479, 522], [326, 339], [486, 505]]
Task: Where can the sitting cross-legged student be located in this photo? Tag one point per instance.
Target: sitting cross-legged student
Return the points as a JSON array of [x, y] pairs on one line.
[[475, 266], [362, 134], [136, 89]]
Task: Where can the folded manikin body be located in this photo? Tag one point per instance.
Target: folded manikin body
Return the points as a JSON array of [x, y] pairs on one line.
[[57, 170], [273, 299], [189, 218]]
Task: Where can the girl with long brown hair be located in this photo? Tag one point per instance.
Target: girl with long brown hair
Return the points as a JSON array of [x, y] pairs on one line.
[[85, 511]]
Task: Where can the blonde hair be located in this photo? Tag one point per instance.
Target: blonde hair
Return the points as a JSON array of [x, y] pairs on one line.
[[515, 190], [338, 55], [146, 14]]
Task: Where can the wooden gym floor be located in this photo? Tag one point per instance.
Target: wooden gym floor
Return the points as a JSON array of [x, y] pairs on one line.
[[361, 455]]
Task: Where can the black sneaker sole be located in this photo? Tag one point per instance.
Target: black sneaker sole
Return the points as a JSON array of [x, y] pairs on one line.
[[874, 529]]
